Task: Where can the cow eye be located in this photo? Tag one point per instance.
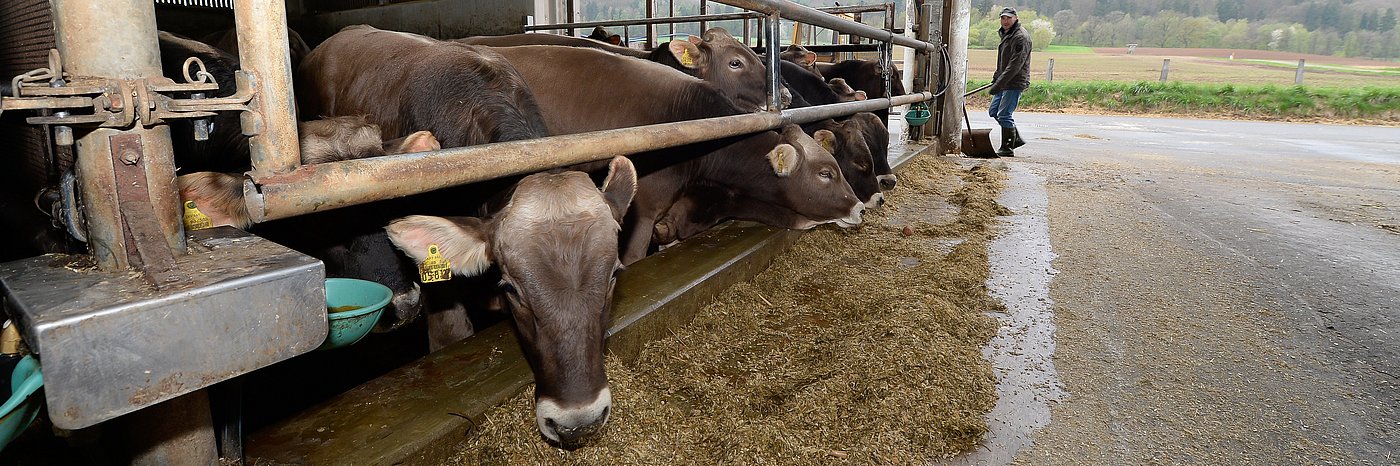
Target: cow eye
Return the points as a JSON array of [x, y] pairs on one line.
[[736, 63], [826, 174], [508, 288]]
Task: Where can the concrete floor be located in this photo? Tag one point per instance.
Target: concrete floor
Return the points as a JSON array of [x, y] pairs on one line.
[[1221, 291]]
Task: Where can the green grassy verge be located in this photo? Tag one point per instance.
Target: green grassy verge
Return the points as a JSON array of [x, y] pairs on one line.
[[1267, 101], [1068, 49], [1344, 69]]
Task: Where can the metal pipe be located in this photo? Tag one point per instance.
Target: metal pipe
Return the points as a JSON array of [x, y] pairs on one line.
[[773, 31], [271, 197], [651, 27], [262, 49], [262, 30], [627, 22], [117, 39], [359, 181], [957, 21], [703, 6], [812, 16]]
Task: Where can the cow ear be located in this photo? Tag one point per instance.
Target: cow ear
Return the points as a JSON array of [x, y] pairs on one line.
[[421, 141], [463, 242], [620, 186], [695, 40], [615, 39], [827, 139], [784, 159], [809, 59], [861, 95], [686, 52], [211, 199]]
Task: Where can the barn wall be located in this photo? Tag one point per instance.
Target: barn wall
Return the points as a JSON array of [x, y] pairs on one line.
[[443, 19]]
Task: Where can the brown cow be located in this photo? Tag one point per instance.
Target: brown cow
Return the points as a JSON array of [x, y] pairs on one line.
[[865, 75], [877, 138], [636, 92], [720, 59], [802, 57], [553, 243]]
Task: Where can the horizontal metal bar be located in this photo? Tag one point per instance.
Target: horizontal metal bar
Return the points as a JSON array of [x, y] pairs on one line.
[[829, 48], [835, 10], [638, 21], [303, 191], [793, 11]]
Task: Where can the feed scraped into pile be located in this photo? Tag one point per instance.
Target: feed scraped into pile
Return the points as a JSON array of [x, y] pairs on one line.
[[855, 347]]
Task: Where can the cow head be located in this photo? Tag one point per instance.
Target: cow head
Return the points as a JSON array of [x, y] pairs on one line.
[[853, 156], [727, 64], [878, 139], [802, 57], [806, 179], [844, 90], [555, 243]]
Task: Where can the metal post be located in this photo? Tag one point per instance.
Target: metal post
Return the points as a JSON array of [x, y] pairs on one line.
[[956, 21], [1298, 78], [746, 32], [651, 28], [1166, 65], [671, 13], [1050, 71], [117, 39], [702, 11], [569, 14], [922, 78], [262, 49], [773, 32]]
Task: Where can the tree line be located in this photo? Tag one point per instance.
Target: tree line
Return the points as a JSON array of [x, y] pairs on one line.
[[1338, 31]]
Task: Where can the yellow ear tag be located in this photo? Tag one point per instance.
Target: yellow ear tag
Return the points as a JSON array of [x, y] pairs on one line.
[[686, 59], [434, 268], [194, 219]]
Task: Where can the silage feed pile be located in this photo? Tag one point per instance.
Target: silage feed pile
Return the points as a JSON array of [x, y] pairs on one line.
[[855, 347]]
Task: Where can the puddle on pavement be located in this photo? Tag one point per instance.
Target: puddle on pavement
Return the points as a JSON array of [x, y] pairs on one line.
[[1019, 259]]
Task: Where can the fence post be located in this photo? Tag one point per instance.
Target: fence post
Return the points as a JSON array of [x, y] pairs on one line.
[[1298, 78], [1050, 71], [1166, 65]]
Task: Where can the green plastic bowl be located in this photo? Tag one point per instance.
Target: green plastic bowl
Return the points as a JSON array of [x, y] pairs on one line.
[[23, 406], [917, 116], [348, 327]]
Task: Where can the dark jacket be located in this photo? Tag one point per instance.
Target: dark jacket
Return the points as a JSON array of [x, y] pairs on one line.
[[1013, 59]]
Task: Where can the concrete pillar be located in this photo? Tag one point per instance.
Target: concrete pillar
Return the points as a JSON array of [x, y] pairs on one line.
[[956, 28]]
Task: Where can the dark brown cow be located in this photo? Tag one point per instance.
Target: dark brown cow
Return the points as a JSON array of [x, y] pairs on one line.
[[877, 138], [865, 75], [636, 92], [554, 243], [602, 35], [844, 92], [227, 40]]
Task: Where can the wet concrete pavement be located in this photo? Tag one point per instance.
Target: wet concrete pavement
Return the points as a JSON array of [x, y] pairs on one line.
[[1279, 240]]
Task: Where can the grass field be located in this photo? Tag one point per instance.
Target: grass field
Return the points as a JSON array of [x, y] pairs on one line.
[[1077, 64]]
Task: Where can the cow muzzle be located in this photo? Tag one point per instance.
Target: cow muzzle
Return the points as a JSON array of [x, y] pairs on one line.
[[567, 425], [853, 219], [887, 182]]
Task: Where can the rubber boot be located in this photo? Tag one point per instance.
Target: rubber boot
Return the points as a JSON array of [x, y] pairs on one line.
[[1006, 140], [1016, 141]]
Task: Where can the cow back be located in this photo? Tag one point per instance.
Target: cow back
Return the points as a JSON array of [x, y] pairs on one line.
[[463, 94], [515, 40]]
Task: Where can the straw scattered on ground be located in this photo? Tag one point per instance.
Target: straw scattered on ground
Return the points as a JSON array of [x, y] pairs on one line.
[[855, 347]]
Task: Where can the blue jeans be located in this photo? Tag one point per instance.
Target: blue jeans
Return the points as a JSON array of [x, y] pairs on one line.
[[1003, 103]]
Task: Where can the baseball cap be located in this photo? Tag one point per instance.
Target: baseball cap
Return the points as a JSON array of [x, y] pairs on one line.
[[1008, 11]]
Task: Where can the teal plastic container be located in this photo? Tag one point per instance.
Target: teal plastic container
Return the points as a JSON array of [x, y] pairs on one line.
[[23, 406], [917, 115], [348, 327]]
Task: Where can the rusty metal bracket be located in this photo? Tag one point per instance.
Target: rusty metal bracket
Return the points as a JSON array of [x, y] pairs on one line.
[[146, 248], [120, 103]]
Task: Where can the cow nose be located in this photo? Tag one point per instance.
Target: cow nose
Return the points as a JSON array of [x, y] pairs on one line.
[[887, 182], [568, 425]]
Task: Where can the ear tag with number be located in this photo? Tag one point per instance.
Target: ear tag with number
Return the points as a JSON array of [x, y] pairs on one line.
[[194, 219], [434, 268], [686, 59]]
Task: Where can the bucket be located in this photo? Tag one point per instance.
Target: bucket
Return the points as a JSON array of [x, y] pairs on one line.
[[352, 307], [23, 406]]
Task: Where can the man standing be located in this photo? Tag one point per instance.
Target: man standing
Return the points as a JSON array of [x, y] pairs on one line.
[[1013, 75]]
